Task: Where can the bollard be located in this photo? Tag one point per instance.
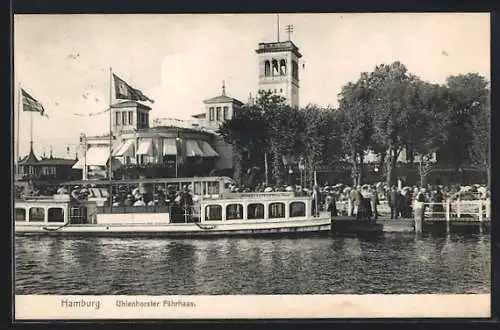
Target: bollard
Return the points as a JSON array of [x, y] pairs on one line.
[[488, 209], [448, 216], [480, 202], [418, 216]]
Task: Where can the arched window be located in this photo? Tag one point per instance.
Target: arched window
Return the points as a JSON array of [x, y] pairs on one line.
[[276, 210], [234, 212], [297, 209], [295, 70], [213, 212], [282, 67], [255, 211], [275, 68], [267, 68]]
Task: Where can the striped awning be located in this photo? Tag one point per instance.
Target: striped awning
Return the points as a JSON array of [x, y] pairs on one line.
[[169, 147], [207, 149], [124, 149], [192, 149], [145, 147]]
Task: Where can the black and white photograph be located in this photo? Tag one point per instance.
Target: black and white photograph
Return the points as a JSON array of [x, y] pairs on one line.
[[251, 165]]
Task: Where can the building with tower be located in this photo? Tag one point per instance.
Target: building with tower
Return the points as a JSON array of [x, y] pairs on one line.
[[279, 69], [185, 148]]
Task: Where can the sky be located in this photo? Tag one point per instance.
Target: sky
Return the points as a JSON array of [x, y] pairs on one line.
[[179, 60]]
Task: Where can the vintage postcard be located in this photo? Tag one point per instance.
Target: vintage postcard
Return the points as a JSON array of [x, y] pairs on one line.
[[228, 166]]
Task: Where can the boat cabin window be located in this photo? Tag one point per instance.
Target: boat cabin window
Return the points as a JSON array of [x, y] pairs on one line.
[[213, 212], [37, 214], [297, 209], [276, 210], [213, 188], [20, 214], [199, 188], [55, 214], [255, 211], [234, 212]]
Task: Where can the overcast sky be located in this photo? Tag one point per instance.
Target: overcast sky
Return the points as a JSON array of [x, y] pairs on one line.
[[180, 60]]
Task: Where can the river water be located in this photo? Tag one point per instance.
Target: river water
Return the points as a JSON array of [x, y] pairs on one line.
[[317, 265]]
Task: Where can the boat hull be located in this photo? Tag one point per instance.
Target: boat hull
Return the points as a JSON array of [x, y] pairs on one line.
[[285, 228]]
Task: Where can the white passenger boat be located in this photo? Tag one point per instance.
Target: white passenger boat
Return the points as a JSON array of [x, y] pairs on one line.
[[215, 212]]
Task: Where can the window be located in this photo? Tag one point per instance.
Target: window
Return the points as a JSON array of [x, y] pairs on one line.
[[281, 90], [275, 68], [213, 188], [20, 214], [226, 113], [295, 70], [130, 117], [55, 214], [213, 212], [218, 113], [267, 69], [275, 90], [198, 188], [282, 67], [37, 214], [234, 212], [276, 210], [211, 114], [117, 118], [124, 118], [255, 211], [297, 209]]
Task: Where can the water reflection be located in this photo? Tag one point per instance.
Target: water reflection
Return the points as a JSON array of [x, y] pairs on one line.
[[384, 264]]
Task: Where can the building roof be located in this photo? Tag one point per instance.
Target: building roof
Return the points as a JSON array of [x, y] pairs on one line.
[[130, 104], [274, 47], [200, 115], [29, 159], [223, 99], [57, 161]]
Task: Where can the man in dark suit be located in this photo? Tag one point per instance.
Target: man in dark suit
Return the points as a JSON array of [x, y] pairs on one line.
[[393, 200]]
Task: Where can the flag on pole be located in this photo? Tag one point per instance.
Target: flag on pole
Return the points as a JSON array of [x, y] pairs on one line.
[[124, 91], [31, 104]]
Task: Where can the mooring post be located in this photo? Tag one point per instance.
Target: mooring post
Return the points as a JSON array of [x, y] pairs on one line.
[[418, 216], [448, 216], [480, 204]]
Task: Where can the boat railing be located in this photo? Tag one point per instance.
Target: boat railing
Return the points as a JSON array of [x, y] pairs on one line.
[[254, 195], [450, 209]]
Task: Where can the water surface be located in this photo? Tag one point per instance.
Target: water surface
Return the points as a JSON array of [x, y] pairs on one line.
[[318, 265]]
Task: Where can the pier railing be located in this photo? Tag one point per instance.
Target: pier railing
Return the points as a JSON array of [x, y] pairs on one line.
[[463, 210]]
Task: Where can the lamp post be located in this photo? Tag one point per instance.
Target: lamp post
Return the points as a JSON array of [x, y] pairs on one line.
[[177, 142], [83, 139]]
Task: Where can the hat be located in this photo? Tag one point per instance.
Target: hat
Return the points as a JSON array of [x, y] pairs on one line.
[[289, 188]]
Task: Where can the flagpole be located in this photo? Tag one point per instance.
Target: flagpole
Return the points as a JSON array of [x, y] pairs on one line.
[[31, 131], [110, 171]]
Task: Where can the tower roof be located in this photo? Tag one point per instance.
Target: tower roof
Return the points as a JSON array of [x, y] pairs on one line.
[[128, 104], [223, 98], [274, 47], [29, 159]]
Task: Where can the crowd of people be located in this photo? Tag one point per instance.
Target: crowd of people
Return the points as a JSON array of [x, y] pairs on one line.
[[363, 201], [360, 201]]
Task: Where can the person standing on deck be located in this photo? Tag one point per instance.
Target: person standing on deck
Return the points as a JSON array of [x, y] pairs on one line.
[[353, 195], [186, 202], [393, 200], [374, 202]]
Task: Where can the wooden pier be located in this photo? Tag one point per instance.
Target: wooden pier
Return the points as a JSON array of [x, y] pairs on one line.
[[455, 216]]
